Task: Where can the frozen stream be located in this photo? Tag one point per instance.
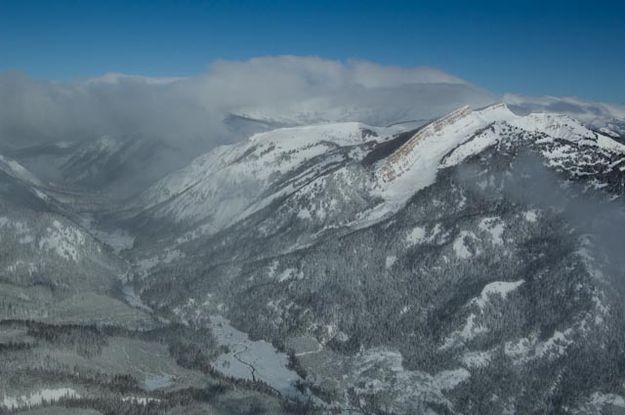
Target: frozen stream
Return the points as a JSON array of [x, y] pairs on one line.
[[253, 360], [245, 359]]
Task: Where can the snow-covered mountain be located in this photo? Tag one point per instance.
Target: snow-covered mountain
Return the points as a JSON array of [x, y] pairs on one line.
[[464, 263], [232, 182], [405, 270], [53, 269], [609, 119]]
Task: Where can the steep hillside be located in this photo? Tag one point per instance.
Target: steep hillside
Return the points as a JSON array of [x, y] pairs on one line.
[[432, 270]]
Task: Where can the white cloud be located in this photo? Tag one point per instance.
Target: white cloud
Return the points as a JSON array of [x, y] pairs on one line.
[[189, 110]]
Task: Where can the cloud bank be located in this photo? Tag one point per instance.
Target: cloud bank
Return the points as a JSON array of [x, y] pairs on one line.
[[192, 111]]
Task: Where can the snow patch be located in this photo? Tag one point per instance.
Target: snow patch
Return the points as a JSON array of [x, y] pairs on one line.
[[449, 379], [141, 400], [497, 288], [416, 236], [63, 240], [289, 274], [599, 400], [476, 359], [390, 261], [39, 397], [461, 249], [495, 227], [531, 216], [530, 348]]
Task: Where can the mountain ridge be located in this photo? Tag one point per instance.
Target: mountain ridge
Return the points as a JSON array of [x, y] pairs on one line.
[[292, 255]]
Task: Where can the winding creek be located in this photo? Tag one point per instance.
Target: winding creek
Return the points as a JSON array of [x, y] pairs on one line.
[[252, 360]]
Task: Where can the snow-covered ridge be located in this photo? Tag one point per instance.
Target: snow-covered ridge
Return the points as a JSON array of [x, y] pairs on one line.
[[415, 165], [22, 175], [605, 117], [404, 157], [232, 182], [555, 125], [551, 126], [444, 133], [17, 171]]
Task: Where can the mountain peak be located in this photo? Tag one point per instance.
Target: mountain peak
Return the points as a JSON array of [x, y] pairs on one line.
[[406, 155]]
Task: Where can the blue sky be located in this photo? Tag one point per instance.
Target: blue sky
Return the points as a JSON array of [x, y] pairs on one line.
[[572, 48]]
